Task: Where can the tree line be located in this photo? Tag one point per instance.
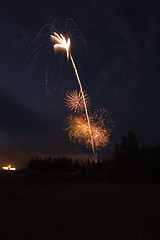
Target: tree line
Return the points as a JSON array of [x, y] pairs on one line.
[[131, 164], [135, 164], [62, 164]]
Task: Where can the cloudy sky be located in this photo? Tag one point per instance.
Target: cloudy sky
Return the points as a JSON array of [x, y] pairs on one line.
[[120, 72]]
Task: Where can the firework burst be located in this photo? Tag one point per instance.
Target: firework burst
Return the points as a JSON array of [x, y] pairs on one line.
[[77, 128], [74, 101], [51, 37]]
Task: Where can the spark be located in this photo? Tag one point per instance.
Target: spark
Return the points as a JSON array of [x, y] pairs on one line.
[[74, 101], [62, 43]]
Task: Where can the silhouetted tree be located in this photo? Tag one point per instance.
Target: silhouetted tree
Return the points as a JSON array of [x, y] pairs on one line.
[[151, 163], [88, 165], [62, 164], [93, 166], [35, 164], [127, 154], [76, 166]]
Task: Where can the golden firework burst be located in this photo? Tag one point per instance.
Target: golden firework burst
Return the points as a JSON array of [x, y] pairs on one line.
[[78, 129]]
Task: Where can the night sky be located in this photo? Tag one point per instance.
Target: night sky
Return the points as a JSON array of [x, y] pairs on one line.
[[120, 72]]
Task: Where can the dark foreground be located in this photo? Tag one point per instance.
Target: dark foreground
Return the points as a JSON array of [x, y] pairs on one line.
[[36, 207]]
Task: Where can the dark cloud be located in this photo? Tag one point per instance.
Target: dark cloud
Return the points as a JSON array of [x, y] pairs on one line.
[[18, 119]]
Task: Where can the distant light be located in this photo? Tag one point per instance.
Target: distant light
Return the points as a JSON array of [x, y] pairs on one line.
[[9, 168], [5, 168], [12, 169]]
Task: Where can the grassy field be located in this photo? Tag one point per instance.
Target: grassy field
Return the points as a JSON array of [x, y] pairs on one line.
[[36, 207]]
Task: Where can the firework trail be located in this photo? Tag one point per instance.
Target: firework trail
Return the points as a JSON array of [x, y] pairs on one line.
[[62, 44]]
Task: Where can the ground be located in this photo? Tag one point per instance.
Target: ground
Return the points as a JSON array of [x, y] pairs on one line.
[[42, 207]]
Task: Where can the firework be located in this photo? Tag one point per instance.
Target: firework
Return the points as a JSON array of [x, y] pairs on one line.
[[78, 129], [64, 44], [74, 101], [88, 130]]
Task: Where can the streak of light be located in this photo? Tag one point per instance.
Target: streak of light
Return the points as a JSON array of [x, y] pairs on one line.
[[62, 43]]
